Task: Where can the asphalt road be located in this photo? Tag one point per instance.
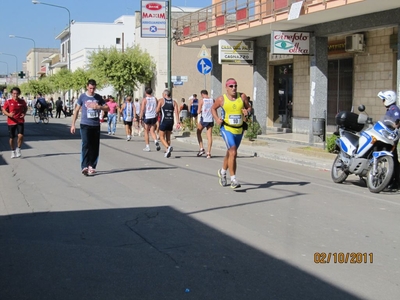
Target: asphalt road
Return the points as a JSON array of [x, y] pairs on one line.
[[147, 227]]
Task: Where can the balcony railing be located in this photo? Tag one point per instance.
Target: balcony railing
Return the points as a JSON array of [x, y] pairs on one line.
[[238, 14]]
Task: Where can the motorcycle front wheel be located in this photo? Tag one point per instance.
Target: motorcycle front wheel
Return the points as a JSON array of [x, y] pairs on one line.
[[337, 173], [378, 182]]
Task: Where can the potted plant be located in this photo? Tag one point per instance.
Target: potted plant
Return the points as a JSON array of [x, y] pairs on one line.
[[253, 129]]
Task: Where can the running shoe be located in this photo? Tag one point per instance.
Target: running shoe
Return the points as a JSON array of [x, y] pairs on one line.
[[85, 171], [222, 178], [208, 155], [18, 152], [146, 149], [201, 152], [157, 146], [235, 184], [109, 133], [91, 171], [168, 153], [13, 155]]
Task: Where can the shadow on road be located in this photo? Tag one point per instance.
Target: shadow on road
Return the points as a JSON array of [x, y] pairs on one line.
[[141, 253]]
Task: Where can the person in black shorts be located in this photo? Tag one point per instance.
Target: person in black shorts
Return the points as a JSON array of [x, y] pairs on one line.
[[148, 114], [168, 108]]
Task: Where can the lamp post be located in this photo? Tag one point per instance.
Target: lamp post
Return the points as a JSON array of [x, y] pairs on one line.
[[169, 44], [7, 66], [69, 32], [34, 51], [169, 47], [16, 64]]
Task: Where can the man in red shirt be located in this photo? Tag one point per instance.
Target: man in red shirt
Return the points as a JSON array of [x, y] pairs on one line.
[[15, 110]]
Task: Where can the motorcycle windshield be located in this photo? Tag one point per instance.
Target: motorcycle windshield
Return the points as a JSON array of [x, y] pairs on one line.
[[389, 122]]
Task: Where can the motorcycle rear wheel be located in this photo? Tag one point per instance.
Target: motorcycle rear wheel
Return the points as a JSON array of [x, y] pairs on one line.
[[337, 173], [380, 181]]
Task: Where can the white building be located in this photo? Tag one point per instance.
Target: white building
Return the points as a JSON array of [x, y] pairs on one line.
[[86, 37]]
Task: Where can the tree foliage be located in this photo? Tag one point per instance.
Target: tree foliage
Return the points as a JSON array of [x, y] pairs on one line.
[[35, 87], [61, 81], [79, 79], [125, 71]]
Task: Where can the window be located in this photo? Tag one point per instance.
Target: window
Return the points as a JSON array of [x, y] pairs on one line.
[[118, 41]]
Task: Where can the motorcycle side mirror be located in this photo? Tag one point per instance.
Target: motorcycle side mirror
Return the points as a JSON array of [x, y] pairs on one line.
[[361, 108]]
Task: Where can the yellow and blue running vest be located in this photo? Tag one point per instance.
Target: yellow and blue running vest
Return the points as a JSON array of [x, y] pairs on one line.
[[233, 116]]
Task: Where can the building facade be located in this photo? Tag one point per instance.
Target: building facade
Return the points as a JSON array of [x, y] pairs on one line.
[[352, 55]]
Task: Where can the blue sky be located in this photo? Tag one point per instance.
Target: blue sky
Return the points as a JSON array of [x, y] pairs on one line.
[[42, 23]]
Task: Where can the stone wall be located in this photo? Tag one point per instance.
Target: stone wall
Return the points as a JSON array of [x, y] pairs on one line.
[[374, 70]]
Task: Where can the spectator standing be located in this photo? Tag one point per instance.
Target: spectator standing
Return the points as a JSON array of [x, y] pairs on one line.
[[183, 110], [50, 106], [194, 105], [15, 110], [90, 104], [137, 118], [59, 108]]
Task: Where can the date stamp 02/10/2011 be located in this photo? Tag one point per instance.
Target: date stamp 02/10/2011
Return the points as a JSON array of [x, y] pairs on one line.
[[343, 257]]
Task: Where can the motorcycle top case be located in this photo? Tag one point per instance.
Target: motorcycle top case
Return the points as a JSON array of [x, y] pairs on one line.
[[349, 121]]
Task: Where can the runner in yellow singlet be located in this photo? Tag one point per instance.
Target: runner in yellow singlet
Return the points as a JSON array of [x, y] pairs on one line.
[[235, 108]]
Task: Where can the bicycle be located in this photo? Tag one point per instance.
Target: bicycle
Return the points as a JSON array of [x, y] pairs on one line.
[[41, 116]]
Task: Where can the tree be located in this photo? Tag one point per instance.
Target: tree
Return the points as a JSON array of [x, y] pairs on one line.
[[61, 81], [35, 87], [123, 70], [79, 80]]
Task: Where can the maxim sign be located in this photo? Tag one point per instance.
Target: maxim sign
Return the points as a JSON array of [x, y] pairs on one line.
[[154, 19], [290, 43]]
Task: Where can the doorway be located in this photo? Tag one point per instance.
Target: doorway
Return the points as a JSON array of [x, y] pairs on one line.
[[340, 87], [283, 95]]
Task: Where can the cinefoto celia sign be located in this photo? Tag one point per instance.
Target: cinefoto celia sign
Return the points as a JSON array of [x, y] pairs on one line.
[[290, 43]]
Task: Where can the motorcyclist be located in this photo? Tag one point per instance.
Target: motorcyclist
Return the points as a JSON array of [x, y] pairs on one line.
[[389, 99]]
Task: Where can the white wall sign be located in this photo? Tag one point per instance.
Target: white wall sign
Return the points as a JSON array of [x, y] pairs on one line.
[[235, 52], [179, 78], [295, 10], [292, 43], [154, 19]]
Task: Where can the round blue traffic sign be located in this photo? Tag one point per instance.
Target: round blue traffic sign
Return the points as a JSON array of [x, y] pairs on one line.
[[204, 66]]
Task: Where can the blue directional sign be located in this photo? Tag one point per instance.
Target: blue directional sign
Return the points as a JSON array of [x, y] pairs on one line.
[[204, 66]]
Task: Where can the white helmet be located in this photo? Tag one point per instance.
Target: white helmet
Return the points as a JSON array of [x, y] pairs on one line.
[[389, 97]]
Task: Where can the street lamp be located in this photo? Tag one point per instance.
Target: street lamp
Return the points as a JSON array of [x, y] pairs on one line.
[[7, 66], [16, 64], [69, 32], [34, 51], [169, 44], [169, 48]]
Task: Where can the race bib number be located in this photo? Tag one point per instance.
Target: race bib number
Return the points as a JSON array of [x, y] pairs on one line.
[[92, 113], [235, 119]]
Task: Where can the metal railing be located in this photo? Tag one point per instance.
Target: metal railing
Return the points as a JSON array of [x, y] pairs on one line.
[[229, 14]]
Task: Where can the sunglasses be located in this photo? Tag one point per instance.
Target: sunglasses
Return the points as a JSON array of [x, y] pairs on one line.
[[233, 86]]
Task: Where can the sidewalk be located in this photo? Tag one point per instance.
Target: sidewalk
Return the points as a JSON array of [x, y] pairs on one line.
[[286, 147]]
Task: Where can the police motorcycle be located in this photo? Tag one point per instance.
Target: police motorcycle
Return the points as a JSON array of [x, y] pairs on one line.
[[365, 149]]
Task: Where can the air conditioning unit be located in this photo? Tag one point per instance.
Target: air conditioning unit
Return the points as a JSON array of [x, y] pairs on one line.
[[354, 43]]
